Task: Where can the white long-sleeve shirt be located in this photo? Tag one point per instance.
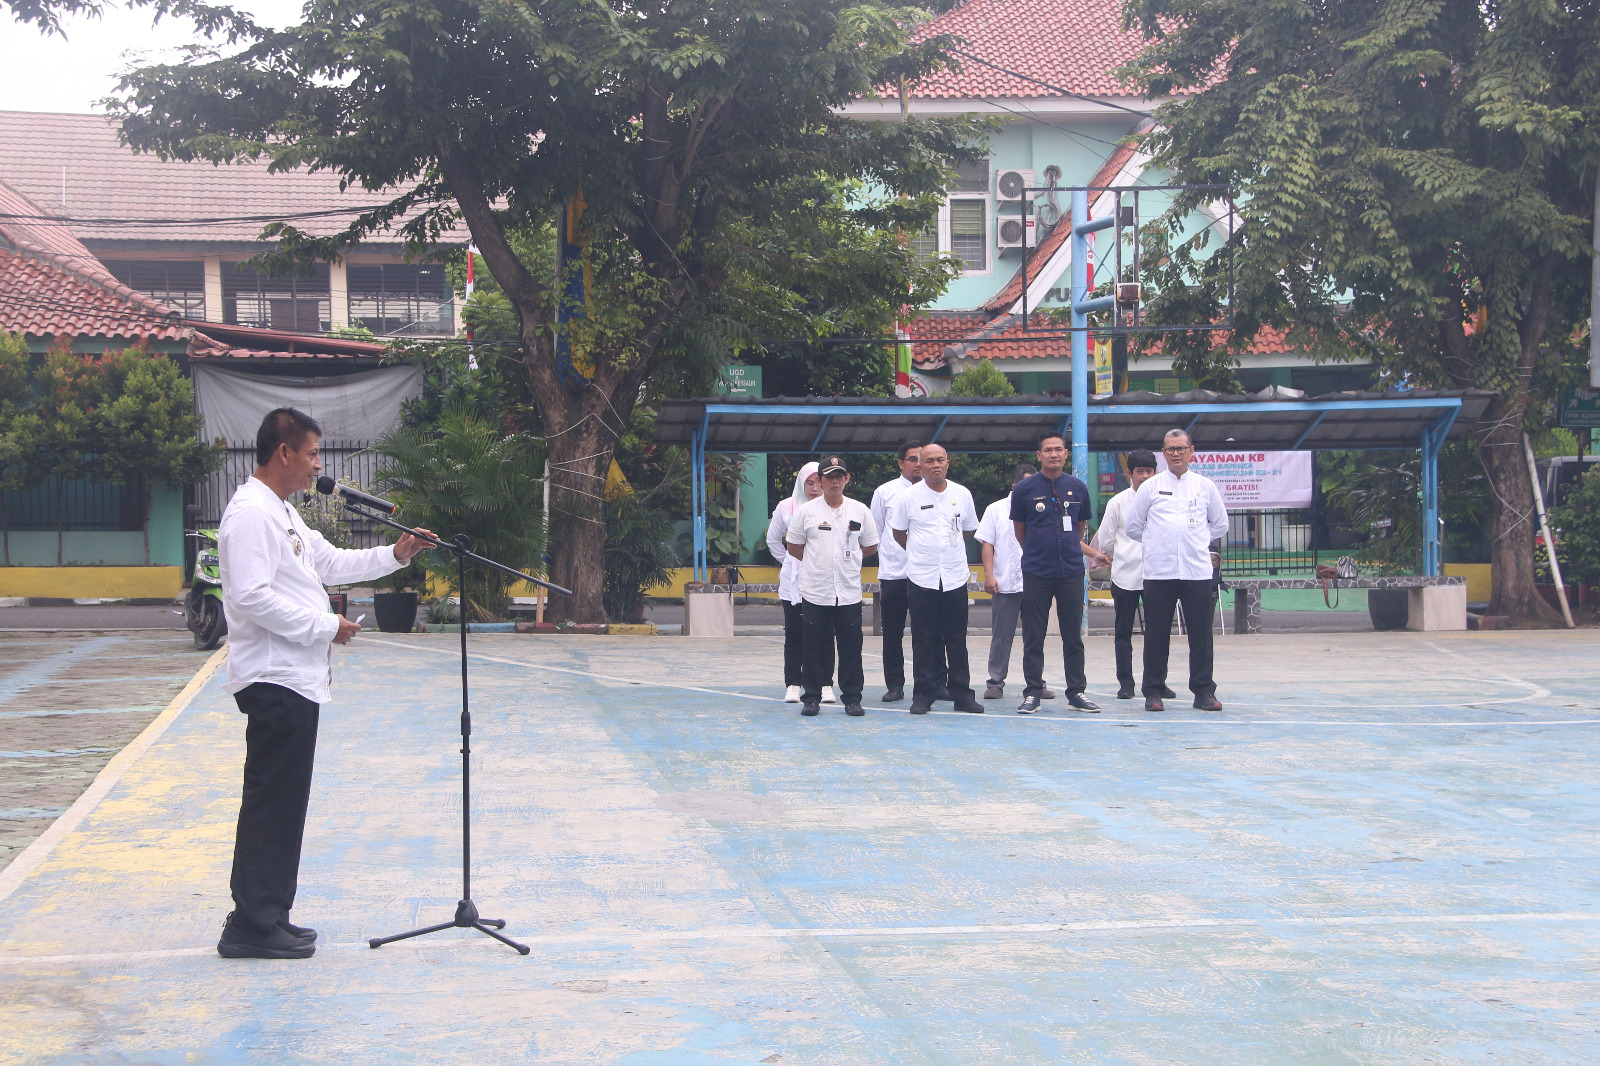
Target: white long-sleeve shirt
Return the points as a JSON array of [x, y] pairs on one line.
[[274, 576], [1127, 554], [891, 557], [1176, 519], [788, 565]]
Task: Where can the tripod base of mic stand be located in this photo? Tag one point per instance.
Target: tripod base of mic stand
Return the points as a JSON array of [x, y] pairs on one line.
[[466, 918]]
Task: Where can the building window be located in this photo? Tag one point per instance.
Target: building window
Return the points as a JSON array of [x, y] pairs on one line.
[[925, 245], [972, 177], [395, 299], [296, 302], [179, 285], [969, 232]]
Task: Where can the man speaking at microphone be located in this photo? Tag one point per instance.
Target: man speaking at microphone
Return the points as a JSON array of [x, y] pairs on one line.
[[280, 664]]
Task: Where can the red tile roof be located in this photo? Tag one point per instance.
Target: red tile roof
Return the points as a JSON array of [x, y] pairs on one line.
[[51, 285], [1072, 44], [965, 335], [76, 165]]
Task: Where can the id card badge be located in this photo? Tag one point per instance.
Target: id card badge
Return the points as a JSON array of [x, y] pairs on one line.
[[1066, 523]]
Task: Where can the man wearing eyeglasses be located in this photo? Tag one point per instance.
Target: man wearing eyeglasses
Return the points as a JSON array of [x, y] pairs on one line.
[[1176, 515]]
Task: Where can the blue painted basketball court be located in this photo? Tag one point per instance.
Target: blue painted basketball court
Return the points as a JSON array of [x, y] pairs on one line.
[[1384, 851]]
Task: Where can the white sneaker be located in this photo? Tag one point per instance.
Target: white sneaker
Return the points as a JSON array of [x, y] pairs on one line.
[[827, 694], [791, 694]]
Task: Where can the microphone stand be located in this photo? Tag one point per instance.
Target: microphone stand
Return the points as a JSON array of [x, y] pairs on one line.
[[467, 916]]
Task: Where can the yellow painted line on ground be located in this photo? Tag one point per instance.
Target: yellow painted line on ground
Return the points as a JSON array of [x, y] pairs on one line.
[[40, 849]]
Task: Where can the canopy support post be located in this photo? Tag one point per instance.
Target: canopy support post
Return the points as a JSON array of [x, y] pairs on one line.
[[1080, 334], [697, 496], [1431, 439]]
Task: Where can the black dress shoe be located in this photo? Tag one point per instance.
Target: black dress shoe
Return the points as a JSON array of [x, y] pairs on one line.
[[969, 706], [895, 695], [1167, 693], [854, 710], [942, 693], [1207, 703], [1153, 703], [1079, 702], [304, 932], [920, 708], [240, 943], [809, 709], [1125, 692]]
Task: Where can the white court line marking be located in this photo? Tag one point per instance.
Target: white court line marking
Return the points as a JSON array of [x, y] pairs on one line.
[[34, 854], [1088, 719], [637, 936]]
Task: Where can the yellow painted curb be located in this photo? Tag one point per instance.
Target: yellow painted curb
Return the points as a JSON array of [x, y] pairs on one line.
[[92, 582], [35, 854], [633, 629]]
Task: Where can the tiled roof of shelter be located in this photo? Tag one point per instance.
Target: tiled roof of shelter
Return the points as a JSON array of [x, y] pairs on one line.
[[51, 285], [1072, 44], [76, 166], [213, 340]]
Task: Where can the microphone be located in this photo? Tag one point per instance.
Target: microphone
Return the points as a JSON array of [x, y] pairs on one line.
[[327, 486]]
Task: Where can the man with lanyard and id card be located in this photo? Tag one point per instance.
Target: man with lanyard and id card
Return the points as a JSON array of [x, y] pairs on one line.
[[1048, 512], [830, 536]]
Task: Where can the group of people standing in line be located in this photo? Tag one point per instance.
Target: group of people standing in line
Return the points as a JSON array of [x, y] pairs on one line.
[[1155, 536]]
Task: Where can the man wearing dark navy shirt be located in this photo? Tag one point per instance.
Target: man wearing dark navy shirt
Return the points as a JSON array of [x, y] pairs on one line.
[[1048, 511]]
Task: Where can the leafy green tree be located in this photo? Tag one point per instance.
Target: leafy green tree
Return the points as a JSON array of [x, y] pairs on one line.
[[56, 438], [46, 14], [703, 142], [1576, 524], [14, 403], [1419, 191], [146, 429], [981, 378], [469, 477]]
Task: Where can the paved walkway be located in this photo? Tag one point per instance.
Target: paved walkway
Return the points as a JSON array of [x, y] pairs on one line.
[[1383, 852]]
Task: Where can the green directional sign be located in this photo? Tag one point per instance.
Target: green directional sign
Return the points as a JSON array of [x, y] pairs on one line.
[[1581, 409], [739, 381]]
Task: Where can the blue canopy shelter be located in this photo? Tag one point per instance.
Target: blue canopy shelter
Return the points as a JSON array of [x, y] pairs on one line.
[[1275, 419]]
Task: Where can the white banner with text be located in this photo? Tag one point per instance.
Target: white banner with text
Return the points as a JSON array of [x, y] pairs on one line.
[[1256, 481]]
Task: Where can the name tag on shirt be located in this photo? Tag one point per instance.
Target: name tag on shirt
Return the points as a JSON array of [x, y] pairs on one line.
[[1066, 523]]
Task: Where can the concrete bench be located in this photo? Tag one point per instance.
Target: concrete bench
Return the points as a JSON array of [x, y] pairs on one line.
[[1436, 603]]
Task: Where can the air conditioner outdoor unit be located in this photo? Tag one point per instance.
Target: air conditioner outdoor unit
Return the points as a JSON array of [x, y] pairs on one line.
[[1008, 184], [1013, 231]]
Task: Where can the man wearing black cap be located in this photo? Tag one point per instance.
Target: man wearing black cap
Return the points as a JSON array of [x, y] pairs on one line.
[[831, 535]]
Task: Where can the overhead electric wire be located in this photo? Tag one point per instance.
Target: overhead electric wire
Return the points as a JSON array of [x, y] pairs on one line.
[[1054, 88], [217, 220]]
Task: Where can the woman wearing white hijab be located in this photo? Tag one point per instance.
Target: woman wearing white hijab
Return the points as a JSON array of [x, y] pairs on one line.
[[807, 486]]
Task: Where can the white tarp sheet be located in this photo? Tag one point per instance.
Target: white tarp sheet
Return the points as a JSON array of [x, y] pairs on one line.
[[1256, 481], [361, 406]]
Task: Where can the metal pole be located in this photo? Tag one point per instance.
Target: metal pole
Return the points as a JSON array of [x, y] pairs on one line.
[[1080, 336], [1430, 503], [1544, 527], [1594, 294], [466, 737]]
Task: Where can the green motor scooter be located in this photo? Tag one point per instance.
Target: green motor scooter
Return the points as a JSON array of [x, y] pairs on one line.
[[202, 608]]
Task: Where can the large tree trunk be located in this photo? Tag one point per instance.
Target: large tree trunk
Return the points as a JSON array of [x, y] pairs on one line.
[[1513, 521], [579, 461]]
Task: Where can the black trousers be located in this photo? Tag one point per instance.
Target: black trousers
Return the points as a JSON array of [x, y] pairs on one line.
[[793, 644], [1037, 595], [1161, 599], [280, 745], [892, 607], [1127, 605], [939, 643], [827, 626]]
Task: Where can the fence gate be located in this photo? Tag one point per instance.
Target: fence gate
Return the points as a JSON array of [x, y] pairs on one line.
[[342, 460]]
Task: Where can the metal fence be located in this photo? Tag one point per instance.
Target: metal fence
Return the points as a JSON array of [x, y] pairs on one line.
[[85, 505], [1270, 543], [343, 460]]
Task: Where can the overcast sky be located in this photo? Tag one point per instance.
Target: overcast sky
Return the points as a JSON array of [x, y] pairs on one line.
[[40, 73]]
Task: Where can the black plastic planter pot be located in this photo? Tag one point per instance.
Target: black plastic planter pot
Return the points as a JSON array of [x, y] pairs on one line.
[[396, 612], [1389, 608]]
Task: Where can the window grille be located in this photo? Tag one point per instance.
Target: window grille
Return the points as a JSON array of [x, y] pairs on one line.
[[969, 232], [294, 302], [393, 299], [177, 284]]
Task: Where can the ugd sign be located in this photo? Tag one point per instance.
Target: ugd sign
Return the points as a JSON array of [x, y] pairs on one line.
[[1256, 481]]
